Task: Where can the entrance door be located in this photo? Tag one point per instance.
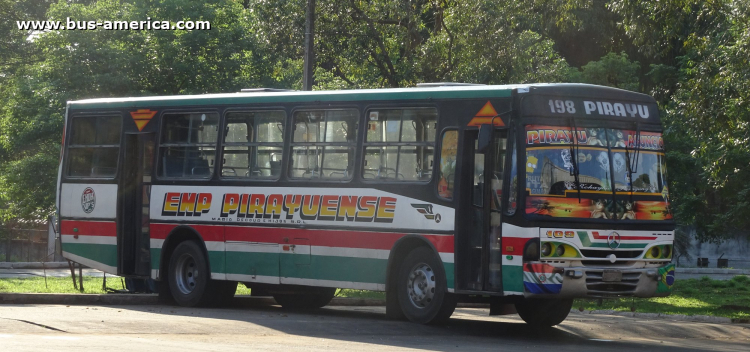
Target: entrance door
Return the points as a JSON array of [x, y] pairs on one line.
[[478, 251], [133, 247]]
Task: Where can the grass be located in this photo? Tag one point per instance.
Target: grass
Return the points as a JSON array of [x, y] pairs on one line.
[[730, 298], [704, 296], [56, 285]]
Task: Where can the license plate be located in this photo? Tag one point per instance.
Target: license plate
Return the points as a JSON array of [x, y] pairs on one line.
[[612, 276]]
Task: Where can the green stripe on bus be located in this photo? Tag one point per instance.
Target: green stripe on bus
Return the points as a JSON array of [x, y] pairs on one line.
[[216, 261], [513, 278], [334, 268], [350, 269], [450, 274], [102, 253], [155, 258], [248, 263], [346, 96], [584, 237]]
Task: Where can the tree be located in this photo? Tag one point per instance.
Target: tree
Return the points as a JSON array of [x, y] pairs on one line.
[[78, 64]]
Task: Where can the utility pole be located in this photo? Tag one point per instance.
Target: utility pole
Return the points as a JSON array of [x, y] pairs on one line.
[[307, 80]]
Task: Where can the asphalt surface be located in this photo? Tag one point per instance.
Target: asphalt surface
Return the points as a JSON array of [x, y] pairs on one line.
[[271, 328]]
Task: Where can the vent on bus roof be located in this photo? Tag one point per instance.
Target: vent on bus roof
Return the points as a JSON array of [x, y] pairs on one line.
[[265, 90], [446, 84]]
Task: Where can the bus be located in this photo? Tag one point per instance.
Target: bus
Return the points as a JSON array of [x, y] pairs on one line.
[[522, 197]]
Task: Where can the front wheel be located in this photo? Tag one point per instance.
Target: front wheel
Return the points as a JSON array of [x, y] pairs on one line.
[[544, 313], [422, 288]]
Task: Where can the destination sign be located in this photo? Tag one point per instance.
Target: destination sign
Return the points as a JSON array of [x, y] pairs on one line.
[[556, 106]]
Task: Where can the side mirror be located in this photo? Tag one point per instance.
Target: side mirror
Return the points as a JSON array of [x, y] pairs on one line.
[[485, 137]]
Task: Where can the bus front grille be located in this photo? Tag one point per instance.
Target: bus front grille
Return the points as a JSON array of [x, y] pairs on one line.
[[596, 286], [596, 253]]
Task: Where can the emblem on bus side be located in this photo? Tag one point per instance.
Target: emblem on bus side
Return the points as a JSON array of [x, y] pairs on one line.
[[426, 210], [88, 200]]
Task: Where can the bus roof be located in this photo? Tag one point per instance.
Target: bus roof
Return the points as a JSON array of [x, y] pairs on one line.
[[441, 92]]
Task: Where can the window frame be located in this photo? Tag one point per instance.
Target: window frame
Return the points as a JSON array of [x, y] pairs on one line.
[[434, 145], [224, 124], [69, 145], [289, 150], [161, 144]]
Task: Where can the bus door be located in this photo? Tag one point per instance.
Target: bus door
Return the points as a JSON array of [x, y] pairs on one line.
[[479, 253], [133, 256]]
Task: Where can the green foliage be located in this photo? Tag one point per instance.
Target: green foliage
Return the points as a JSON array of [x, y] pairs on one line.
[[614, 70]]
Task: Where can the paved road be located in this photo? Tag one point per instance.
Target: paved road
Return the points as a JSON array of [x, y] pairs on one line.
[[270, 328]]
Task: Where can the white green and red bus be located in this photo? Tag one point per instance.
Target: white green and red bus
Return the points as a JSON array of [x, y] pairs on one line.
[[524, 197]]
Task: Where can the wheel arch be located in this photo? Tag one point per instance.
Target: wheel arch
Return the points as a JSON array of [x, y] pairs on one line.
[[178, 235]]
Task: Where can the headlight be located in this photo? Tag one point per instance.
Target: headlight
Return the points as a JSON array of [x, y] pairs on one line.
[[560, 251], [546, 249], [667, 252], [655, 252]]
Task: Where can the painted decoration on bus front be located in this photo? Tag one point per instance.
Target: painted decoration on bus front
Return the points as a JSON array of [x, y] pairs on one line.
[[537, 135], [356, 207], [598, 208]]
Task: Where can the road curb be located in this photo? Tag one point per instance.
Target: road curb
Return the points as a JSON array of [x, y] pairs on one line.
[[676, 317], [77, 299]]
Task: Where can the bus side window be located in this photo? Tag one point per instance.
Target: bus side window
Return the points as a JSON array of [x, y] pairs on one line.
[[253, 144], [400, 144], [94, 146], [187, 148], [323, 144], [447, 164]]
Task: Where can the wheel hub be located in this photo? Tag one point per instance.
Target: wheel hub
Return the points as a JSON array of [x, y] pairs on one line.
[[421, 285], [186, 274]]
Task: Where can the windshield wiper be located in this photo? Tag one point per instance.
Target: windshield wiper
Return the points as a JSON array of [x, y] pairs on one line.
[[574, 158]]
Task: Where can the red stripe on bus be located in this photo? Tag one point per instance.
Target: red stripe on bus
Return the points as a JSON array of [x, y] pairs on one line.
[[514, 245], [326, 238], [207, 232], [88, 228], [597, 236]]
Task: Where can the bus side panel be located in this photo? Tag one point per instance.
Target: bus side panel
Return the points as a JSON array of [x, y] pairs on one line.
[[274, 255], [88, 230], [350, 259]]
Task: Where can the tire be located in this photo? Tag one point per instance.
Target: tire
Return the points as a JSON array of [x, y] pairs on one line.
[[312, 298], [189, 276], [544, 313], [422, 289]]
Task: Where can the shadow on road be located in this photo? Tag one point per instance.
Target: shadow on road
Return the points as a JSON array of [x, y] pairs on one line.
[[467, 330]]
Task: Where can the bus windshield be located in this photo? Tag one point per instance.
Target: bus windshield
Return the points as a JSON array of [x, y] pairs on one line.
[[621, 173]]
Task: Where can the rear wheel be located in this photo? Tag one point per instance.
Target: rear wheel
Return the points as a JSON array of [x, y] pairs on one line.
[[422, 289], [544, 313], [309, 298]]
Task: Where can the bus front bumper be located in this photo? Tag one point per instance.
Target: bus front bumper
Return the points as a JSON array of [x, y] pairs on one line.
[[546, 281]]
